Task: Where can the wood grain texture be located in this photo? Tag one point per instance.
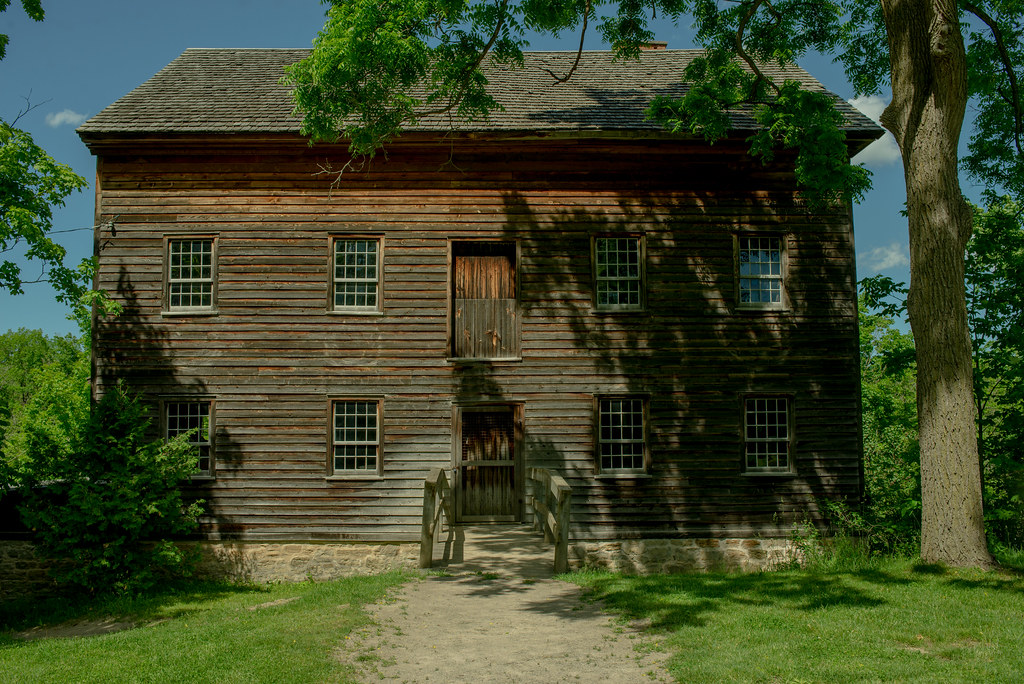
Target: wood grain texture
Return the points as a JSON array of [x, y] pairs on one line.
[[275, 351]]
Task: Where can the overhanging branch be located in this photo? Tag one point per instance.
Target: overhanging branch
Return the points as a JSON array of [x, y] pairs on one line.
[[1011, 76]]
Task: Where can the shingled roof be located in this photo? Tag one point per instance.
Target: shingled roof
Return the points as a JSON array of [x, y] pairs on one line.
[[235, 91]]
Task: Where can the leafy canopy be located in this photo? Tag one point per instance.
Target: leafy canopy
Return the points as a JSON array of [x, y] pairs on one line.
[[379, 66], [32, 183]]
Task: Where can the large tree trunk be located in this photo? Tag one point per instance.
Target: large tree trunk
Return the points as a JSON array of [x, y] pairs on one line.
[[929, 86]]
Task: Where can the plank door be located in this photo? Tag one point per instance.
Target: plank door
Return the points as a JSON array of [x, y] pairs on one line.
[[485, 321], [487, 477]]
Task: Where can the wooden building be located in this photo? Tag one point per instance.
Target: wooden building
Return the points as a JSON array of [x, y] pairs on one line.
[[565, 285]]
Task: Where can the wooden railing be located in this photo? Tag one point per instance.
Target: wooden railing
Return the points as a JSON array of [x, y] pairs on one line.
[[437, 498], [549, 495]]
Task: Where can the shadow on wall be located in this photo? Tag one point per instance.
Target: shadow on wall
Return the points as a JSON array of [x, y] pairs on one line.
[[689, 352], [135, 348]]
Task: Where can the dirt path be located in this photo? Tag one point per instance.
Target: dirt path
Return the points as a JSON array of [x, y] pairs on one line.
[[480, 627]]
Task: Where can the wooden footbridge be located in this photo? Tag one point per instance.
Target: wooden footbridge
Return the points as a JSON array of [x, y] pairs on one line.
[[536, 548]]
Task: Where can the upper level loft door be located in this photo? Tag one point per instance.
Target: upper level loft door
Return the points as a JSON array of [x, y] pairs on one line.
[[485, 317]]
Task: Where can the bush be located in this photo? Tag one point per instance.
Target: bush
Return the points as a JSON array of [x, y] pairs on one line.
[[107, 506]]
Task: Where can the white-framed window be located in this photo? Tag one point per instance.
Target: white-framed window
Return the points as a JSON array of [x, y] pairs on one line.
[[196, 418], [767, 434], [355, 437], [618, 273], [355, 279], [191, 274], [760, 272], [622, 434]]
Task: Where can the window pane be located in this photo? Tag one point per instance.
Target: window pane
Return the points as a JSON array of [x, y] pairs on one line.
[[190, 274], [767, 433], [621, 434], [355, 436], [185, 416], [617, 272], [355, 274], [760, 270]]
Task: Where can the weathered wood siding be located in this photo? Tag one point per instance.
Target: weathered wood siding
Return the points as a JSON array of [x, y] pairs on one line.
[[273, 354]]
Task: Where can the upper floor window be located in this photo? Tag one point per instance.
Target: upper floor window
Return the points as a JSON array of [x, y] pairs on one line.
[[355, 436], [622, 435], [191, 274], [618, 273], [760, 272], [356, 274], [192, 417], [767, 435]]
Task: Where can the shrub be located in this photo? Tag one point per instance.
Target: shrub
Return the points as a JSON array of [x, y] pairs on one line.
[[107, 507]]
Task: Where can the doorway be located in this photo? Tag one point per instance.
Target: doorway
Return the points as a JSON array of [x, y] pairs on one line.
[[488, 485]]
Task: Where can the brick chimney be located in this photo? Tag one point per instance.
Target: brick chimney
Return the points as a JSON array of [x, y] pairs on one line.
[[654, 45]]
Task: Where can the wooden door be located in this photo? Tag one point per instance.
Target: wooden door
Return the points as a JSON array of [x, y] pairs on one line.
[[484, 313], [487, 477]]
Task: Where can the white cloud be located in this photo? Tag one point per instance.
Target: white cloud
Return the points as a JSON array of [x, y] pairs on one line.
[[883, 258], [884, 150], [67, 117]]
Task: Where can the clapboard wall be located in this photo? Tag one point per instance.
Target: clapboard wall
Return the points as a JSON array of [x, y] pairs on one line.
[[273, 354]]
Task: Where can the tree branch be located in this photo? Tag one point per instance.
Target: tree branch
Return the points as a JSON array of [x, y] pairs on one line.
[[454, 102], [579, 52], [740, 31], [1004, 56]]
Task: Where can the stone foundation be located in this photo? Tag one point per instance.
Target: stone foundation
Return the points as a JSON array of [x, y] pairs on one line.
[[298, 561], [652, 556], [22, 572]]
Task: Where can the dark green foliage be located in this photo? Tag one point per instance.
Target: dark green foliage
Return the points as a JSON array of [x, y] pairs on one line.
[[44, 381], [890, 516], [994, 278], [995, 308], [996, 78], [108, 506]]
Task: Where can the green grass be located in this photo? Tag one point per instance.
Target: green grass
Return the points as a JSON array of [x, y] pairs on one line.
[[891, 621], [203, 633]]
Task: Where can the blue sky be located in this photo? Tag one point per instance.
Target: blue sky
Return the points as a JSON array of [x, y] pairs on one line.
[[85, 55]]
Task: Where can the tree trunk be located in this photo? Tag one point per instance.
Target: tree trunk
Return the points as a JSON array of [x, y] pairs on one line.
[[929, 87]]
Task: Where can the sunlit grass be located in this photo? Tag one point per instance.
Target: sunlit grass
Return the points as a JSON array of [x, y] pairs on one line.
[[212, 633], [894, 621]]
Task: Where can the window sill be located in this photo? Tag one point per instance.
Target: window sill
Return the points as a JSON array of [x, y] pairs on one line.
[[761, 308], [503, 359], [186, 313], [615, 312], [203, 478], [776, 474], [353, 312], [369, 477], [624, 476]]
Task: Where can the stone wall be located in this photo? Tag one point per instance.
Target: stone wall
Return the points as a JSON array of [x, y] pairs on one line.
[[650, 556], [22, 572], [298, 561]]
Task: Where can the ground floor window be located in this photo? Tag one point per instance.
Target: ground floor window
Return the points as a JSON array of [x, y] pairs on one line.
[[767, 434], [355, 436], [622, 434], [194, 418]]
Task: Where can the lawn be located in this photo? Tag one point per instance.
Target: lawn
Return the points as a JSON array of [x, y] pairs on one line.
[[204, 633], [887, 621], [895, 621]]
